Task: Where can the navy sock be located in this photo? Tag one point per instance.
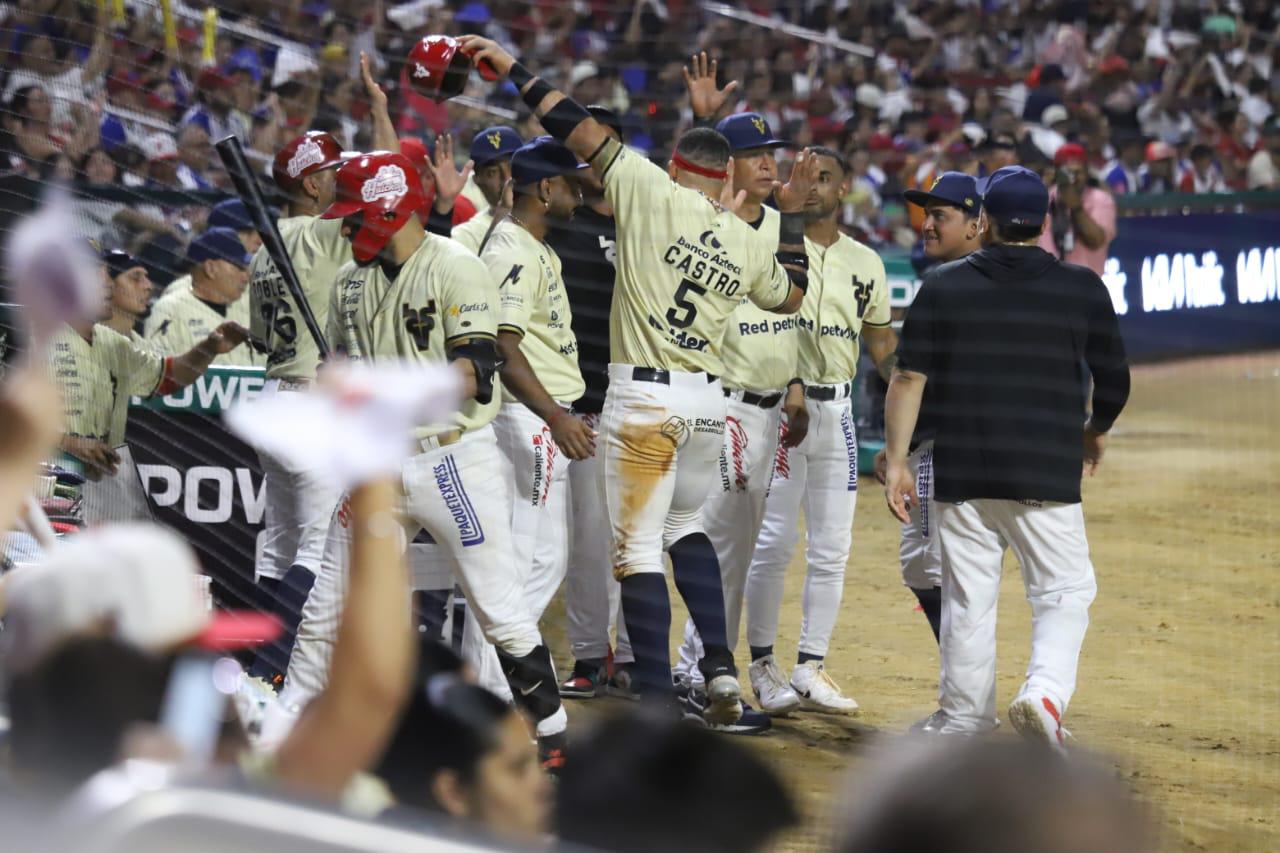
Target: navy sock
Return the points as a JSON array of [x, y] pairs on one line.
[[697, 575], [459, 617], [931, 601], [648, 613], [291, 593], [805, 657], [758, 652], [430, 608]]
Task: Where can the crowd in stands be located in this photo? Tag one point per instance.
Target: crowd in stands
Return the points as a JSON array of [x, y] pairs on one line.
[[1161, 97]]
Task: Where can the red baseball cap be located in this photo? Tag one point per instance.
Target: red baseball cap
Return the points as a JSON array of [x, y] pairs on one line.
[[313, 151], [1070, 152], [437, 68], [1160, 151]]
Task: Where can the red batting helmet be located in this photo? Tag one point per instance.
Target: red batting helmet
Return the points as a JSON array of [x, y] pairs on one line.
[[311, 152], [438, 68], [387, 189]]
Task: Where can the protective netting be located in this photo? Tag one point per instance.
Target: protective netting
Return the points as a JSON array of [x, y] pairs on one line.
[[1164, 112]]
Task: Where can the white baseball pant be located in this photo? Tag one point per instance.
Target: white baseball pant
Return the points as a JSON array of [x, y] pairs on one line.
[[733, 513], [591, 595], [661, 444], [919, 550], [298, 509], [821, 474], [460, 494], [1049, 541]]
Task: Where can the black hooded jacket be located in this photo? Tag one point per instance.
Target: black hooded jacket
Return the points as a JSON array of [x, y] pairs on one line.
[[1003, 337]]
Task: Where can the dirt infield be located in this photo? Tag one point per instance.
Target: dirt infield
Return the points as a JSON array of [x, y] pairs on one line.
[[1180, 676]]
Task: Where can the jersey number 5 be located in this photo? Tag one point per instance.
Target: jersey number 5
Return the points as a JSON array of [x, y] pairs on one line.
[[684, 321], [419, 322]]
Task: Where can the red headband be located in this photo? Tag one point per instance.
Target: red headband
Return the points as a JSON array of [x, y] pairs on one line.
[[681, 163]]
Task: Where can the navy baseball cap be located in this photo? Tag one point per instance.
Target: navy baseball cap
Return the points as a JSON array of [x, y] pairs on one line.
[[493, 143], [748, 130], [218, 244], [1014, 196], [544, 157], [954, 188], [230, 213], [119, 261], [607, 117]]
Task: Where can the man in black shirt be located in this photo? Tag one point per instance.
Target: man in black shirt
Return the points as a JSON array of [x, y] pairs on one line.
[[1000, 337], [586, 246]]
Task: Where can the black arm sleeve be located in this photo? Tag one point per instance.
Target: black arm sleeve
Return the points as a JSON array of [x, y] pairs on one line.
[[440, 223], [1104, 353], [483, 355]]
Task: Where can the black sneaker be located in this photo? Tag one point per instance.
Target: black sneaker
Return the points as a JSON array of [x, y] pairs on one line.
[[752, 722], [586, 682]]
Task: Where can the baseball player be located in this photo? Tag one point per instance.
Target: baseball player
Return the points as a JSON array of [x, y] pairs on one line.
[[442, 183], [535, 427], [417, 296], [951, 208], [491, 151], [98, 370], [229, 213], [131, 289], [219, 276], [685, 260], [299, 506], [848, 300], [587, 247], [760, 355]]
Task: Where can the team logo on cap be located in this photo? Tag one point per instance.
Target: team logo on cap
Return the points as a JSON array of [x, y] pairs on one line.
[[420, 70], [495, 139], [933, 186], [389, 182], [309, 153], [968, 202], [759, 123]]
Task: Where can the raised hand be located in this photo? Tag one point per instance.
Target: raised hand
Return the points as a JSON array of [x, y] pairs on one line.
[[704, 97], [791, 196], [444, 171], [496, 55]]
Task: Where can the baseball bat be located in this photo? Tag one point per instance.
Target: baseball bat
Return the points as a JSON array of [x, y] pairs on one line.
[[251, 194]]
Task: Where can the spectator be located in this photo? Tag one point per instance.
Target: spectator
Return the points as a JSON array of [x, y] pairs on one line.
[[1050, 87], [1204, 176], [1159, 173], [213, 109], [161, 152], [1124, 176], [1082, 215], [462, 752], [1264, 166], [195, 155], [60, 75]]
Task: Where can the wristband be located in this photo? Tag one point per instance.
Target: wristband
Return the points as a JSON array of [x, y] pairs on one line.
[[539, 90], [793, 259], [562, 119], [791, 230], [519, 75], [796, 381]]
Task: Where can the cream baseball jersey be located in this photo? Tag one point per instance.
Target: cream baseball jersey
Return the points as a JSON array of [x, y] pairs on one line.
[[471, 232], [533, 303], [684, 265], [760, 350], [441, 296], [180, 320], [317, 250], [98, 377], [847, 290]]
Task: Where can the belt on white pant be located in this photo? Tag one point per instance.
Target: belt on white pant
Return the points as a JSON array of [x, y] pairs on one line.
[[751, 398], [294, 383], [660, 375], [839, 391], [435, 442]]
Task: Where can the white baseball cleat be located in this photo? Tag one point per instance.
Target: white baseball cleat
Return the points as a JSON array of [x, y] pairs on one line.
[[818, 692], [1037, 719], [772, 690], [723, 701]]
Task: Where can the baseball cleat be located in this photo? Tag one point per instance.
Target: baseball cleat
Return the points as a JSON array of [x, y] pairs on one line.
[[620, 685], [751, 722], [930, 725], [551, 753], [724, 705], [1038, 720], [818, 692], [586, 682], [772, 690]]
